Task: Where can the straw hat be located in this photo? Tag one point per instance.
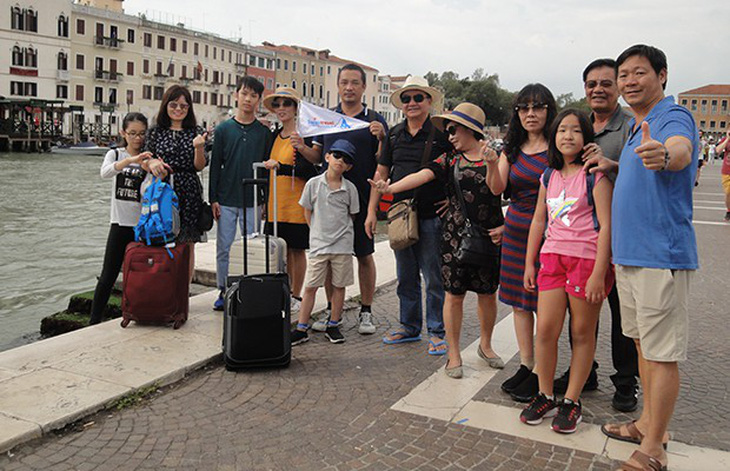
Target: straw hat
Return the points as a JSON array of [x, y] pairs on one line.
[[414, 82], [466, 114], [281, 92]]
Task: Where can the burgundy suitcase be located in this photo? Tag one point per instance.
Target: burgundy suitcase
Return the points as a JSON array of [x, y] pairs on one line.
[[156, 286]]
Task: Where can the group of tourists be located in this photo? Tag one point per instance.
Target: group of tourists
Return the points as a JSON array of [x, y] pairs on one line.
[[579, 185]]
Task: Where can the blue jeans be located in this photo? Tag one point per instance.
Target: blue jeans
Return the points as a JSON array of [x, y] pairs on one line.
[[423, 257], [225, 236]]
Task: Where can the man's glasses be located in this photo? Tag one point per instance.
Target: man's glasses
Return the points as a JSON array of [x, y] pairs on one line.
[[603, 83], [418, 98], [286, 103], [522, 107], [175, 105]]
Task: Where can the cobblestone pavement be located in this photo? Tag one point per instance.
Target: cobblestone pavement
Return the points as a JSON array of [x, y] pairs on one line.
[[330, 410]]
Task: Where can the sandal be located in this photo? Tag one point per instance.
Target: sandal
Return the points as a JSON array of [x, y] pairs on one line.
[[647, 463], [634, 434], [402, 337], [433, 348]]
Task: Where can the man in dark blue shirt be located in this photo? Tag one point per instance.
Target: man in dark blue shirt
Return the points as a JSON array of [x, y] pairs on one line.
[[351, 83]]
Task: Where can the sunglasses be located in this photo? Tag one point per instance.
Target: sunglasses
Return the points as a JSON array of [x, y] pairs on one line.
[[342, 156], [175, 105], [451, 130], [521, 107], [286, 103], [418, 98]]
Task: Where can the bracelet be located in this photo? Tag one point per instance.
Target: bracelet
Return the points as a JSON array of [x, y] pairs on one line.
[[666, 159]]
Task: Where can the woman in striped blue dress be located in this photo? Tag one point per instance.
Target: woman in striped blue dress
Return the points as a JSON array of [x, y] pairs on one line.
[[517, 173]]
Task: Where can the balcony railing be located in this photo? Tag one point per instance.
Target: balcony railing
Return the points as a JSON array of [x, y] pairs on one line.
[[111, 42], [107, 76], [160, 79], [63, 75]]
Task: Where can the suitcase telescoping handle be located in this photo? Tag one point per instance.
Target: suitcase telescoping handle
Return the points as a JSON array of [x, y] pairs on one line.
[[274, 204], [255, 182]]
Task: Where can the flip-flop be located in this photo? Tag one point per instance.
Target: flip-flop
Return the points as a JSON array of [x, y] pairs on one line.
[[634, 434], [433, 348], [404, 338]]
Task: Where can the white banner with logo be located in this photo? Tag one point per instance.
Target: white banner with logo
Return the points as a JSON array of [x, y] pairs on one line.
[[315, 121]]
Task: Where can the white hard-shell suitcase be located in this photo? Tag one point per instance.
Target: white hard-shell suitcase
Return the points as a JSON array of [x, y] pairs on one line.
[[256, 243]]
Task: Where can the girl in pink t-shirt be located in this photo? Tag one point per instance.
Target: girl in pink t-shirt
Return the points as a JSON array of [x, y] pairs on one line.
[[575, 267]]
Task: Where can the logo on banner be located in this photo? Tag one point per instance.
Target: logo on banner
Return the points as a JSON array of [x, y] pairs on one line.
[[316, 121]]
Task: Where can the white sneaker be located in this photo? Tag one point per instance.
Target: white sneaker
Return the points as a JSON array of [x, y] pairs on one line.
[[366, 326], [320, 325], [295, 304]]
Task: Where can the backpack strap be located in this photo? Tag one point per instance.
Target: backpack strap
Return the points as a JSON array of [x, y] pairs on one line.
[[590, 184], [546, 176]]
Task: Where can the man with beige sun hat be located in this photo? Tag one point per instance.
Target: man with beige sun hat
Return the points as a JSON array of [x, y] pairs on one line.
[[407, 147]]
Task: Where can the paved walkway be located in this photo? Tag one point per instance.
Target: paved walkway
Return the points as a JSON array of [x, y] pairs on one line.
[[364, 405]]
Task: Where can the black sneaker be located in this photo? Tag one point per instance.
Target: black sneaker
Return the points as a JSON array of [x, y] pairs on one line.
[[526, 390], [727, 216], [299, 336], [509, 385], [569, 416], [540, 407], [333, 334], [625, 399], [560, 385]]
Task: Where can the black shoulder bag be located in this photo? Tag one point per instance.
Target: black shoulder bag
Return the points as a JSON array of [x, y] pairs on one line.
[[475, 248]]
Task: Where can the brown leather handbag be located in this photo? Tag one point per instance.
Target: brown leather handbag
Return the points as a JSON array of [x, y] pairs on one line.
[[403, 215]]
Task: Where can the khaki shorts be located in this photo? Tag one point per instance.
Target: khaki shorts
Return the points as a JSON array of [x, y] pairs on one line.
[[654, 310], [340, 264], [726, 184]]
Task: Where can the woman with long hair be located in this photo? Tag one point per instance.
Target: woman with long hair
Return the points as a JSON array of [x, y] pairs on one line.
[[517, 172], [179, 142]]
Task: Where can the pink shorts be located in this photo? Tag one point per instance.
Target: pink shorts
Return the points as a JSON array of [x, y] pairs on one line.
[[571, 273]]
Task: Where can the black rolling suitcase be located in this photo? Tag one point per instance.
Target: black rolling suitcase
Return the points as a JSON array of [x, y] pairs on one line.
[[256, 314]]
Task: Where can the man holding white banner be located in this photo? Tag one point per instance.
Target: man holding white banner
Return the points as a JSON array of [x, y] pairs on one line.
[[365, 130]]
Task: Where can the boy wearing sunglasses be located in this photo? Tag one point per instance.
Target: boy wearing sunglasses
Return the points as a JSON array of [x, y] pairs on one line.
[[239, 143], [330, 203]]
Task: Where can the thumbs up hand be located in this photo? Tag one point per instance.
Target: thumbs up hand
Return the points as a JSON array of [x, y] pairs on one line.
[[651, 151]]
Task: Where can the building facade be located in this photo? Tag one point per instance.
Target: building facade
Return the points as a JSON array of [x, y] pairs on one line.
[[709, 106], [36, 47]]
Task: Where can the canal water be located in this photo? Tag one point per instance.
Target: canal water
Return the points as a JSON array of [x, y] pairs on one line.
[[54, 220]]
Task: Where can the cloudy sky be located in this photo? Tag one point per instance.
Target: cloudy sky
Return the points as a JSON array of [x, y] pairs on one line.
[[521, 40]]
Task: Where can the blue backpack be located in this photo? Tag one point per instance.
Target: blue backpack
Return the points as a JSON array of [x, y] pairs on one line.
[[590, 183], [159, 223]]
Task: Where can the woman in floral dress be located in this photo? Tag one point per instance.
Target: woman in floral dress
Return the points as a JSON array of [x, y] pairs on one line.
[[464, 127], [179, 143]]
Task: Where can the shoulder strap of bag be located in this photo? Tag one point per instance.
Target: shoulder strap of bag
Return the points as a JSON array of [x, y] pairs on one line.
[[426, 152], [460, 197]]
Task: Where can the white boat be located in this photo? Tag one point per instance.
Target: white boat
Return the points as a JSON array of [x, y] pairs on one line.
[[84, 148]]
